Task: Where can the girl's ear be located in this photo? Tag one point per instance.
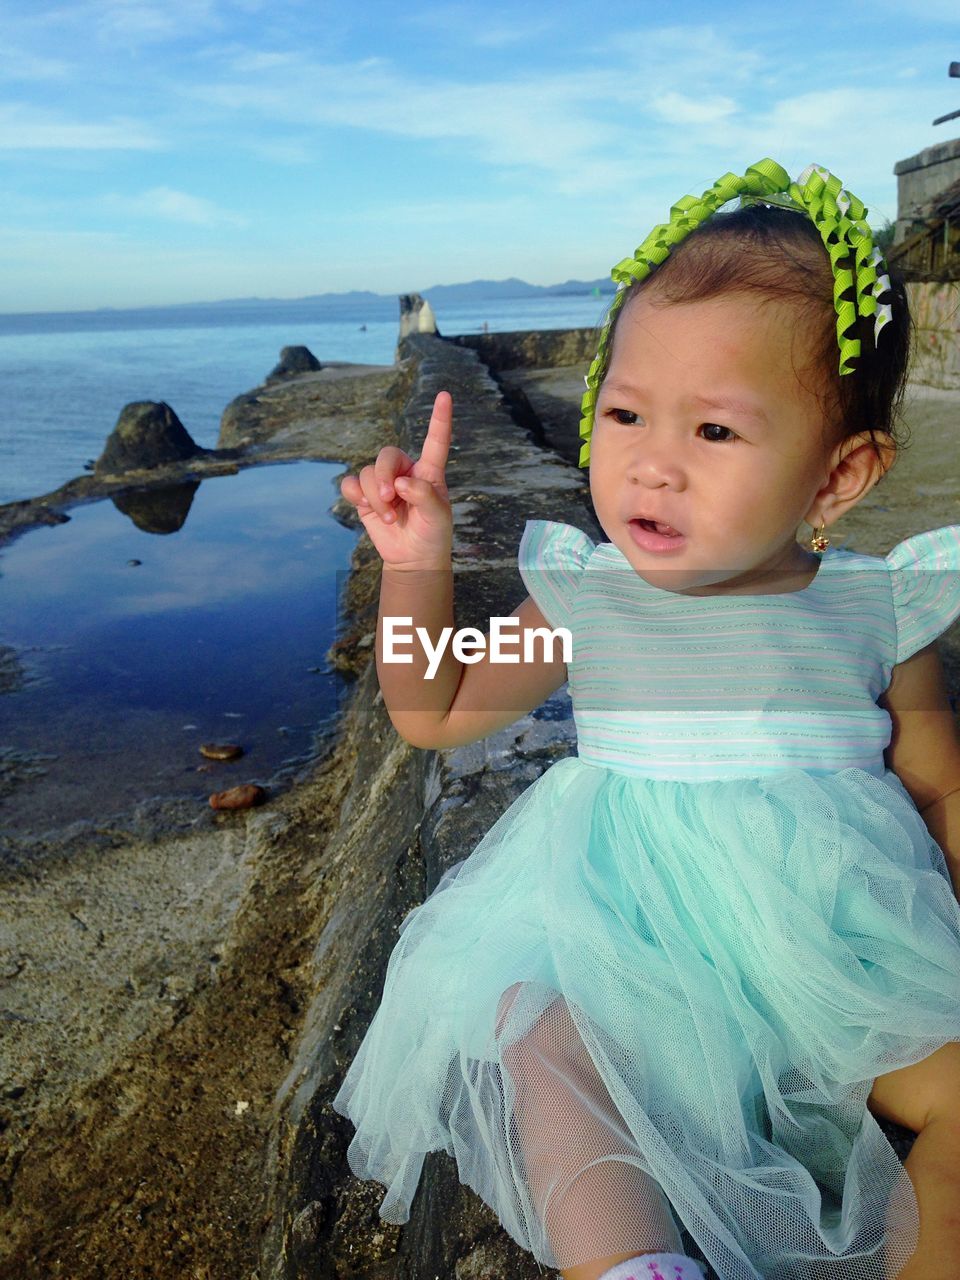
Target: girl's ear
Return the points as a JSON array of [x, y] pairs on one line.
[[855, 467]]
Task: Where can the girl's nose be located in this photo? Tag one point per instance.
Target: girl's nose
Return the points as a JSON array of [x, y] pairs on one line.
[[656, 467]]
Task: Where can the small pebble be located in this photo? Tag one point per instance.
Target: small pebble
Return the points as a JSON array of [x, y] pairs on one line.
[[243, 797], [221, 751]]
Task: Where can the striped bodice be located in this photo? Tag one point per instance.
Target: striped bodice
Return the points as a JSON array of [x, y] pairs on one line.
[[696, 688]]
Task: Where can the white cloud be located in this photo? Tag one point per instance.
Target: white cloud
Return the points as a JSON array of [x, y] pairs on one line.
[[280, 151], [480, 27], [174, 206], [545, 123], [599, 124], [678, 108], [689, 56], [814, 124], [255, 61], [441, 213], [137, 22], [18, 64], [22, 129]]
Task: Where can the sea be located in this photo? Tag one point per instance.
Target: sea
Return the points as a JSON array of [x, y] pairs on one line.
[[66, 376]]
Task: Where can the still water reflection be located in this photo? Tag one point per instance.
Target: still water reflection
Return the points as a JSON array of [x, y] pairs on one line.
[[159, 621]]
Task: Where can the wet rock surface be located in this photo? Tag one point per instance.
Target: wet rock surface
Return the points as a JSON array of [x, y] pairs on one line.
[[245, 796], [186, 991], [221, 751], [148, 434], [294, 361]]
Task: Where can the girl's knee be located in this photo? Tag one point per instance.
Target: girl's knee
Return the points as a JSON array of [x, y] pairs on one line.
[[549, 1047], [928, 1090], [505, 1004]]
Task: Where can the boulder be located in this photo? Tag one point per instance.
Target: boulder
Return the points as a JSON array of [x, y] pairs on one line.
[[293, 362], [148, 434], [416, 316]]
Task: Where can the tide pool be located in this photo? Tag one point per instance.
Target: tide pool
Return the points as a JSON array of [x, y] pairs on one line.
[[164, 619]]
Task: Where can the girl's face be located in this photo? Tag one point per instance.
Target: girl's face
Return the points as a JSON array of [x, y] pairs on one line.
[[703, 425]]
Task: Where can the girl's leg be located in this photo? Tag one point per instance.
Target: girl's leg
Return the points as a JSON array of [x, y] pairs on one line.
[[926, 1099], [597, 1208]]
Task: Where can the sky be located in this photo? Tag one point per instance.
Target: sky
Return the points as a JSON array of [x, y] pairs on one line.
[[163, 151]]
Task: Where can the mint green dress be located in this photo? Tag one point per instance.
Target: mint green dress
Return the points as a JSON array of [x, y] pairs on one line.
[[680, 959]]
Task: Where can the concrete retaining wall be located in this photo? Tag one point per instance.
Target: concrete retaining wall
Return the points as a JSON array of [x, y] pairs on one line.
[[409, 815], [935, 308], [536, 349]]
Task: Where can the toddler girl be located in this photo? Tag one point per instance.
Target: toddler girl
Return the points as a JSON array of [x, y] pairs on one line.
[[681, 977]]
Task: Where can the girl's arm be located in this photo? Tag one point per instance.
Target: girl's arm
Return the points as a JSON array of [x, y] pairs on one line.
[[463, 702], [924, 749], [406, 511]]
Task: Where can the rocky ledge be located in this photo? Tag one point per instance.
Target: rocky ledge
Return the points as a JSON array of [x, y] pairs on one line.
[[339, 412], [182, 1002]]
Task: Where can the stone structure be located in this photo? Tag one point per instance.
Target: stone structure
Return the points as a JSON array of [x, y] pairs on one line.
[[920, 180], [935, 359], [416, 316], [294, 361], [926, 252], [406, 817], [926, 242], [532, 349]]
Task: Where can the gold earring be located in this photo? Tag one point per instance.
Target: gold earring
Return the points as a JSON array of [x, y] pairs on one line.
[[818, 542]]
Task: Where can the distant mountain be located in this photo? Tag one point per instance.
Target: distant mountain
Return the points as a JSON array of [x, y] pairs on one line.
[[355, 295], [478, 290], [474, 290]]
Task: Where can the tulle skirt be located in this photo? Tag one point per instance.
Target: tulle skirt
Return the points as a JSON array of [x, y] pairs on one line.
[[642, 1002]]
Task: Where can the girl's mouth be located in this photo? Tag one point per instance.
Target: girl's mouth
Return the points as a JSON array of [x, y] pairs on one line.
[[653, 535]]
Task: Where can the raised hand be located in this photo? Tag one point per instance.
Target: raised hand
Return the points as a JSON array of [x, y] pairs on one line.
[[403, 504]]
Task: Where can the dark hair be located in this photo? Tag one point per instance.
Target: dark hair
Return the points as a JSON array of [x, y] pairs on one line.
[[778, 254]]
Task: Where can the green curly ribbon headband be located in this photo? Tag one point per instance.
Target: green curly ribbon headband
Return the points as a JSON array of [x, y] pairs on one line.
[[840, 219]]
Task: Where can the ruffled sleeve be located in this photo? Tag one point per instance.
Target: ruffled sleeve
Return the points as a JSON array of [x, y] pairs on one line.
[[552, 558], [925, 583]]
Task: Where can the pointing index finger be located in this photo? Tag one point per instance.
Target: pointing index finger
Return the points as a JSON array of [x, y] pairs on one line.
[[436, 444]]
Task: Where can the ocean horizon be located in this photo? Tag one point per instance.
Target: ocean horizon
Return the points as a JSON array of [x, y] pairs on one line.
[[67, 375]]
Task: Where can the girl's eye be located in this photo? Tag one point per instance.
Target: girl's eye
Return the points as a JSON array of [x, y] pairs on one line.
[[624, 417], [713, 427]]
